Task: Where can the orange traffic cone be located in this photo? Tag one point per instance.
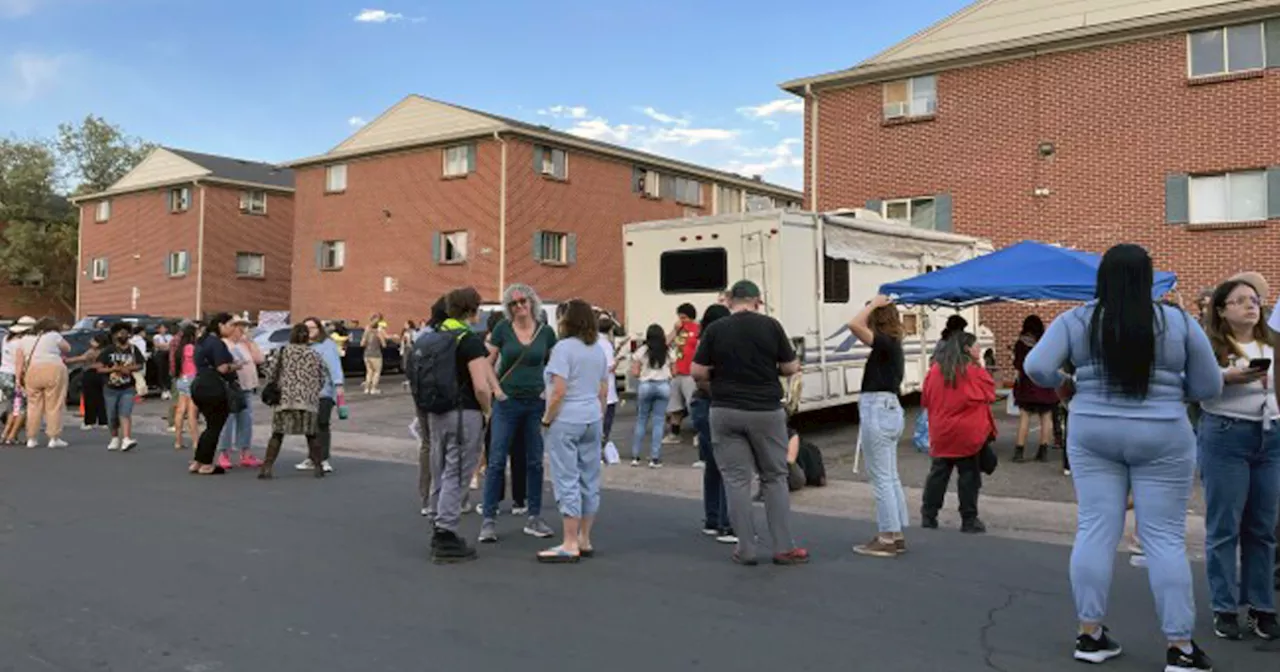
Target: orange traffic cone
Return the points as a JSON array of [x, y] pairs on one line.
[[81, 413]]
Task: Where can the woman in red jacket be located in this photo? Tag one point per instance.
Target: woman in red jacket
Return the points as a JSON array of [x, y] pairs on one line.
[[958, 394]]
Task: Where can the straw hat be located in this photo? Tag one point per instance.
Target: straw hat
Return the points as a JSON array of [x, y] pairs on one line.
[[1255, 280], [23, 325]]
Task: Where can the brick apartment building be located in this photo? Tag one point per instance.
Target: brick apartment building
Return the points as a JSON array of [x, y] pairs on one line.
[[1083, 123], [186, 234], [431, 196]]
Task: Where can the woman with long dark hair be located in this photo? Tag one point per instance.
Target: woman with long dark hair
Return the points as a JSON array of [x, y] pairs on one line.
[[1032, 399], [958, 393], [184, 367], [210, 391], [651, 365], [1137, 363], [715, 505], [1239, 463]]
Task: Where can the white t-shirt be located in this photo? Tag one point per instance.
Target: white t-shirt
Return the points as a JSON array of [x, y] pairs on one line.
[[140, 342], [1254, 401], [610, 356], [162, 341], [8, 361], [42, 348], [648, 373], [1274, 322]]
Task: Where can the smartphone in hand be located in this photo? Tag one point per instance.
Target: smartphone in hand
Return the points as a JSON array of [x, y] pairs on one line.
[[1261, 364]]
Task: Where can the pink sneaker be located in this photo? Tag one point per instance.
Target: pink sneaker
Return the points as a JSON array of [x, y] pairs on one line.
[[224, 461], [248, 461]]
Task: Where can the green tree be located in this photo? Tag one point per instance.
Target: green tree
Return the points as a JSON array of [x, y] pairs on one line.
[[38, 242], [97, 154]]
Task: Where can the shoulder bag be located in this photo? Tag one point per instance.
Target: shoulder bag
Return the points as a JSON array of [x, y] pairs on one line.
[[271, 395], [523, 351]]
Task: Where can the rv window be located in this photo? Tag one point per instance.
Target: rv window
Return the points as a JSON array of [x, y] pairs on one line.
[[690, 271], [835, 280], [910, 324]]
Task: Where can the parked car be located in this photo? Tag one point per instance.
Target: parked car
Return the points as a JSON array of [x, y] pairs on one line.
[[353, 362]]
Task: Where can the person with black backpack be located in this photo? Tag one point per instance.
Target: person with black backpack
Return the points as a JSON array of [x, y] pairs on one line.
[[448, 377]]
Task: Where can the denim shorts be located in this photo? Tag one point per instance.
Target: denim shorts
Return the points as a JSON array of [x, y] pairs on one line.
[[183, 385]]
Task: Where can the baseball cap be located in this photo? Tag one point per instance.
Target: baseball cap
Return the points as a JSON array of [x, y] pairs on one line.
[[744, 289]]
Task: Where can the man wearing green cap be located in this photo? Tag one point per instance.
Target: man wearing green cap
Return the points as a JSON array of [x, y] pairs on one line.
[[739, 360]]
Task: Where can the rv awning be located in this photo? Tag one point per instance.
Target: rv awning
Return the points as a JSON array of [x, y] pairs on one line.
[[898, 251], [1027, 271]]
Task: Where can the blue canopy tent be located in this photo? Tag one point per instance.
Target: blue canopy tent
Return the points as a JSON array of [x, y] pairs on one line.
[[1027, 271]]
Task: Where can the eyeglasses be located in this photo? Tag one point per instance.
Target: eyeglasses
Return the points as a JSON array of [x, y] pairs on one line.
[[1246, 301], [519, 302]]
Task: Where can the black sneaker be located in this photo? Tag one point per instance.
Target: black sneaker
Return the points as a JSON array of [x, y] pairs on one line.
[[1263, 624], [973, 526], [1090, 649], [929, 522], [1226, 625], [1196, 661], [447, 548]]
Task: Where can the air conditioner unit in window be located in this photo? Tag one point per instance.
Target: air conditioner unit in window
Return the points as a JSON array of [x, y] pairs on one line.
[[895, 110], [548, 169]]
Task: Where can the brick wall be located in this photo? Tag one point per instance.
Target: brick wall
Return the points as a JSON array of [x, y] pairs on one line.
[[228, 231], [1121, 117]]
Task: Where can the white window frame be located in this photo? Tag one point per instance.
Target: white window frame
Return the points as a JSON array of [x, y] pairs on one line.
[[179, 264], [688, 184], [99, 269], [905, 110], [179, 200], [262, 264], [910, 203], [1226, 50], [1228, 219], [549, 162], [332, 183], [250, 204], [652, 184], [465, 151], [103, 212], [456, 241], [334, 255], [557, 241]]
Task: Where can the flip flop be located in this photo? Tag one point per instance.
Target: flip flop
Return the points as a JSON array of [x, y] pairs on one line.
[[587, 552], [558, 556]]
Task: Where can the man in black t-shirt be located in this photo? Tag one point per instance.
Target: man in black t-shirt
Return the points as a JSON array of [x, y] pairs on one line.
[[117, 363], [739, 359]]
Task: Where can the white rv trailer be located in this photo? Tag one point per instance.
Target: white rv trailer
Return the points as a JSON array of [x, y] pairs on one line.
[[815, 272]]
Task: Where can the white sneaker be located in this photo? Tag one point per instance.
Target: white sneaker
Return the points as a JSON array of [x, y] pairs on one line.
[[305, 465], [164, 396], [128, 445], [32, 443], [85, 428], [328, 468], [699, 465], [114, 445], [57, 443], [519, 510]]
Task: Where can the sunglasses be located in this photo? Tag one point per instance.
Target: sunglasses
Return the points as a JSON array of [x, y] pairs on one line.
[[519, 302]]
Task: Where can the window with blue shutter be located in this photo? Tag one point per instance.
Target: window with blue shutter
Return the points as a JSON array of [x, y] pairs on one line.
[[1272, 29], [435, 247], [320, 255], [551, 247], [637, 179], [942, 213], [1273, 188], [537, 246], [572, 251], [537, 158], [876, 205], [471, 158], [1177, 199]]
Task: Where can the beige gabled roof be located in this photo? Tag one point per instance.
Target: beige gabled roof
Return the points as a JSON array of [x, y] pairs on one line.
[[1000, 26], [167, 166], [417, 121]]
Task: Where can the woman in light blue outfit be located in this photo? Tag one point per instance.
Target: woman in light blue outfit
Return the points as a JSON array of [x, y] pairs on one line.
[[651, 366], [577, 379], [1137, 364]]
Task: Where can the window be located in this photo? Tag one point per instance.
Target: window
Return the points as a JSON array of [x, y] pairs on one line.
[[915, 97], [551, 247], [652, 184], [688, 192], [251, 264], [920, 213], [694, 271], [104, 211], [32, 279], [758, 202], [331, 255], [551, 162], [253, 202], [1233, 197], [460, 160], [450, 247], [178, 264], [728, 200], [98, 269], [1226, 50], [835, 280], [335, 178], [180, 199]]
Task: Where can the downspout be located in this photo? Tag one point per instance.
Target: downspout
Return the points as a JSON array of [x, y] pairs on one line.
[[200, 256], [502, 217], [80, 273], [813, 147]]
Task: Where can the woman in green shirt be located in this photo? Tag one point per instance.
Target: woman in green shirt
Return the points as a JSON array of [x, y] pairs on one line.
[[519, 347]]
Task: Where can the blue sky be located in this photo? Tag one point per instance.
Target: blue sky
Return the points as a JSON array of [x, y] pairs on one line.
[[281, 79]]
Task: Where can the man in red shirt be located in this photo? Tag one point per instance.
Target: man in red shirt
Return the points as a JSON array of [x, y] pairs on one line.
[[683, 338]]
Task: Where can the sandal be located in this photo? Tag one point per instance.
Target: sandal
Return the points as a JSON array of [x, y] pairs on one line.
[[193, 467], [557, 555], [586, 551], [216, 470]]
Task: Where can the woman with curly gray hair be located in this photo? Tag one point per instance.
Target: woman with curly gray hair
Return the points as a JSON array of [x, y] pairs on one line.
[[519, 347]]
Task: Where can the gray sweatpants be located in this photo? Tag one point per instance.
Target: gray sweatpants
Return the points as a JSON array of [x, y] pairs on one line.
[[424, 460], [455, 453], [754, 441]]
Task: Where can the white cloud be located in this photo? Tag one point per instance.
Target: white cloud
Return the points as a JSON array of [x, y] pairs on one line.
[[781, 106], [780, 158], [690, 137], [664, 118], [30, 76], [378, 16], [600, 129], [565, 112], [356, 122]]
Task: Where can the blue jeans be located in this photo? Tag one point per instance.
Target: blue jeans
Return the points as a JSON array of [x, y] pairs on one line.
[[238, 433], [1155, 459], [1240, 468], [574, 449], [119, 405], [651, 407], [880, 430], [512, 419], [714, 503]]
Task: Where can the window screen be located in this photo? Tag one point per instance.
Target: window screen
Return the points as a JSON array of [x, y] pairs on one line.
[[689, 271]]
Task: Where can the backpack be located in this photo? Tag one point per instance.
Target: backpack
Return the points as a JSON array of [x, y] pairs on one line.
[[432, 371], [809, 459]]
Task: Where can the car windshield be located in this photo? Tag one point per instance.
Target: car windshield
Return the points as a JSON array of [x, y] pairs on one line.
[[279, 336]]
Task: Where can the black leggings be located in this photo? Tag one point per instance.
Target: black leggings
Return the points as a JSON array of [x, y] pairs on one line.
[[210, 398], [95, 406]]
